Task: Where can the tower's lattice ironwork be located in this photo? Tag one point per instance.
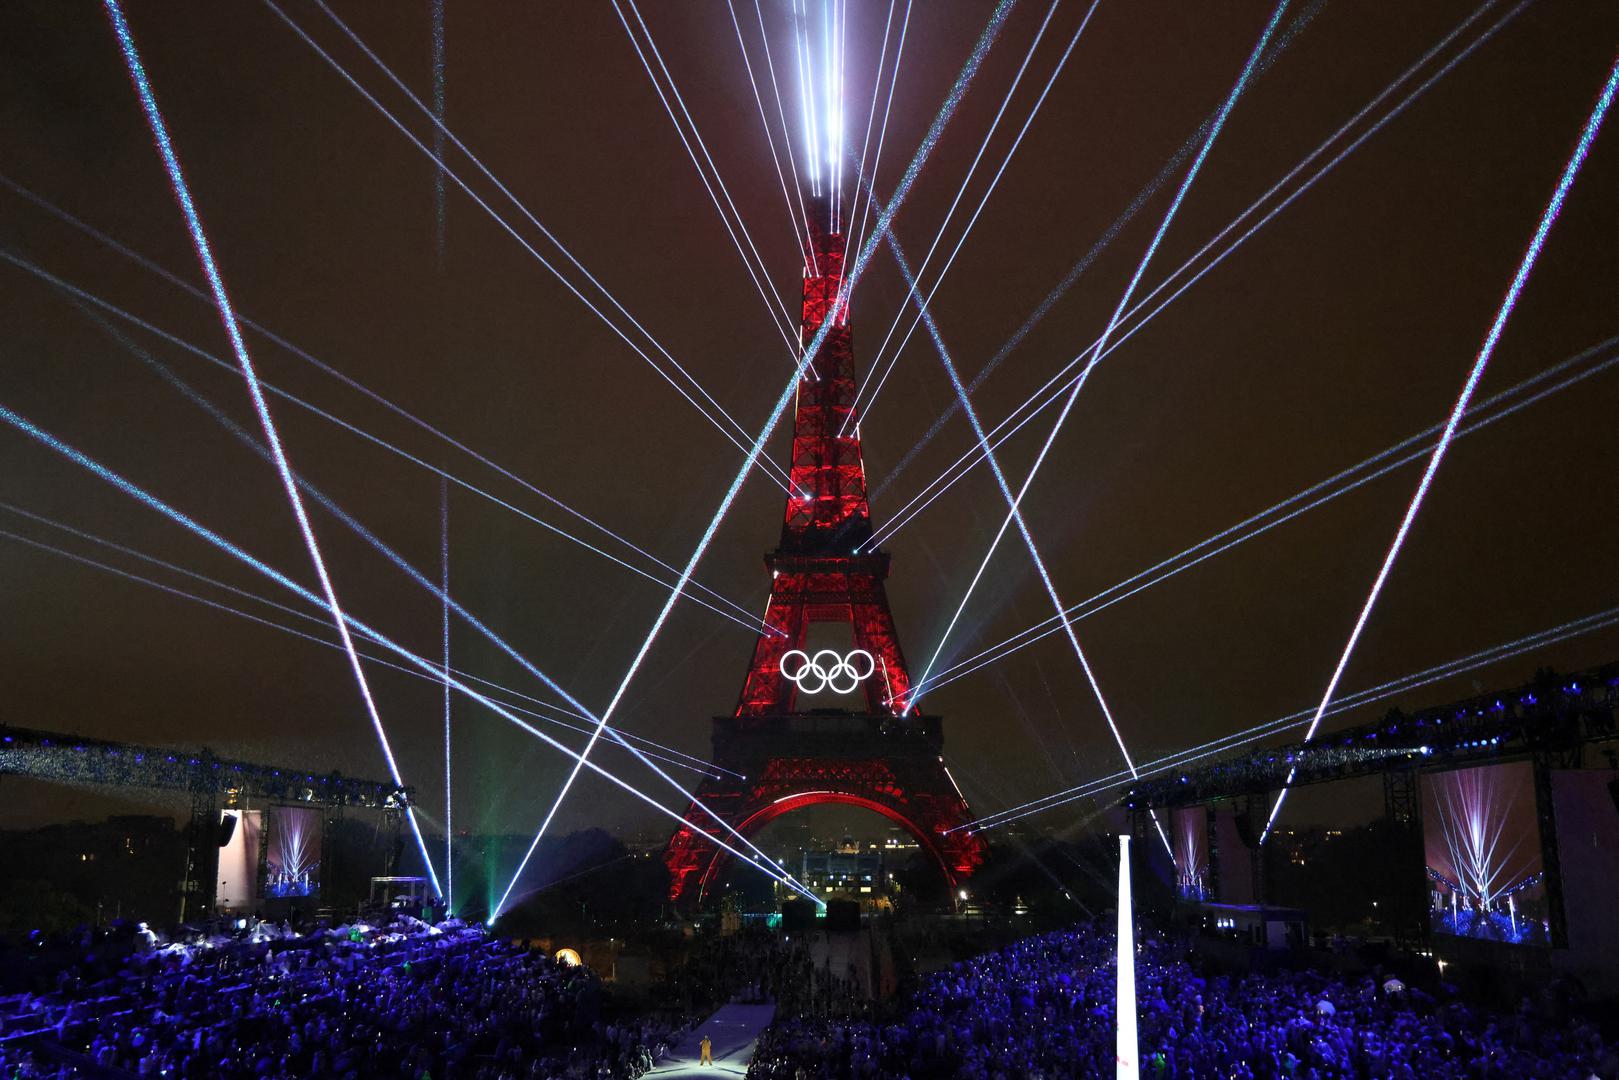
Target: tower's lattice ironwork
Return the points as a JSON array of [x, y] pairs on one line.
[[887, 757]]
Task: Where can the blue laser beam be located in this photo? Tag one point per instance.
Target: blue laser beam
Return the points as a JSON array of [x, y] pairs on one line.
[[1141, 268], [786, 130], [1124, 219], [1601, 620], [922, 499], [930, 139], [666, 754], [961, 192], [1403, 453], [1006, 491], [746, 618], [801, 237], [1491, 339], [421, 579], [431, 668], [1163, 176], [511, 231], [779, 315], [199, 240]]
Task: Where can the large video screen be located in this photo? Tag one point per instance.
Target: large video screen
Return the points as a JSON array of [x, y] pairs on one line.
[[1189, 836], [292, 864], [1482, 845]]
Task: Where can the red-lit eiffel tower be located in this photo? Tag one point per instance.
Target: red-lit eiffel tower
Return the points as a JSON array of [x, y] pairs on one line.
[[885, 758]]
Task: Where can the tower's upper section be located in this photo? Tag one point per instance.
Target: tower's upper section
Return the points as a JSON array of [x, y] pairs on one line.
[[827, 512]]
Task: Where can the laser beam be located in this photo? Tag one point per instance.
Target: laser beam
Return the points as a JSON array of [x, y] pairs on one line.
[[1403, 453], [786, 128], [1011, 502], [745, 619], [325, 368], [511, 231], [1127, 1063], [441, 594], [188, 210], [958, 89], [667, 754], [1141, 268], [800, 235], [882, 132], [1450, 669], [430, 667], [756, 267], [871, 118], [910, 509], [961, 191], [442, 131], [977, 212], [1491, 339], [812, 141], [444, 611], [1044, 307]]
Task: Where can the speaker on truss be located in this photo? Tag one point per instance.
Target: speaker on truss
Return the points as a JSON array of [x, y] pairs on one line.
[[843, 916], [227, 828], [1245, 830], [797, 915]]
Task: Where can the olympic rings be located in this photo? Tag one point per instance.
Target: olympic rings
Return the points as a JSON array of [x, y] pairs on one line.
[[826, 670]]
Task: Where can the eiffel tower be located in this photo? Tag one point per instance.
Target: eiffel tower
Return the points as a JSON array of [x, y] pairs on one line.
[[886, 757]]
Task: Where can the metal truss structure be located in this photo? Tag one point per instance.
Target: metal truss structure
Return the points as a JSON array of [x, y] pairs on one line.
[[213, 783], [886, 758], [1548, 723], [1551, 719]]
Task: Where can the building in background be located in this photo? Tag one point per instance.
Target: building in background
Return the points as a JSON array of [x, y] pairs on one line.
[[853, 869]]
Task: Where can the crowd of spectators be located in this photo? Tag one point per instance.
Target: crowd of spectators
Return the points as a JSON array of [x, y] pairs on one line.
[[1044, 1008], [441, 1002], [408, 1000]]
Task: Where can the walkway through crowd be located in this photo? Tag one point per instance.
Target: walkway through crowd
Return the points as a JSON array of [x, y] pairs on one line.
[[733, 1031]]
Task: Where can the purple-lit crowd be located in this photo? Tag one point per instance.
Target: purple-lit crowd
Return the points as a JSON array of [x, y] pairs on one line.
[[1043, 1008], [434, 1003], [427, 1003]]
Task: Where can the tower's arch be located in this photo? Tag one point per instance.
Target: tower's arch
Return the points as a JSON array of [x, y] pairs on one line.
[[755, 822], [892, 767]]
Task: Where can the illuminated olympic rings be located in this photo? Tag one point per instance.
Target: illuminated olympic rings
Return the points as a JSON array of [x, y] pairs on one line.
[[826, 670]]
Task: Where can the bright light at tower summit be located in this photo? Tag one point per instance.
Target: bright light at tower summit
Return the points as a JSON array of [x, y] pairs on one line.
[[820, 42]]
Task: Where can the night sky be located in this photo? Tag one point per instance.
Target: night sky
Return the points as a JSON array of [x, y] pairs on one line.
[[1345, 325]]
